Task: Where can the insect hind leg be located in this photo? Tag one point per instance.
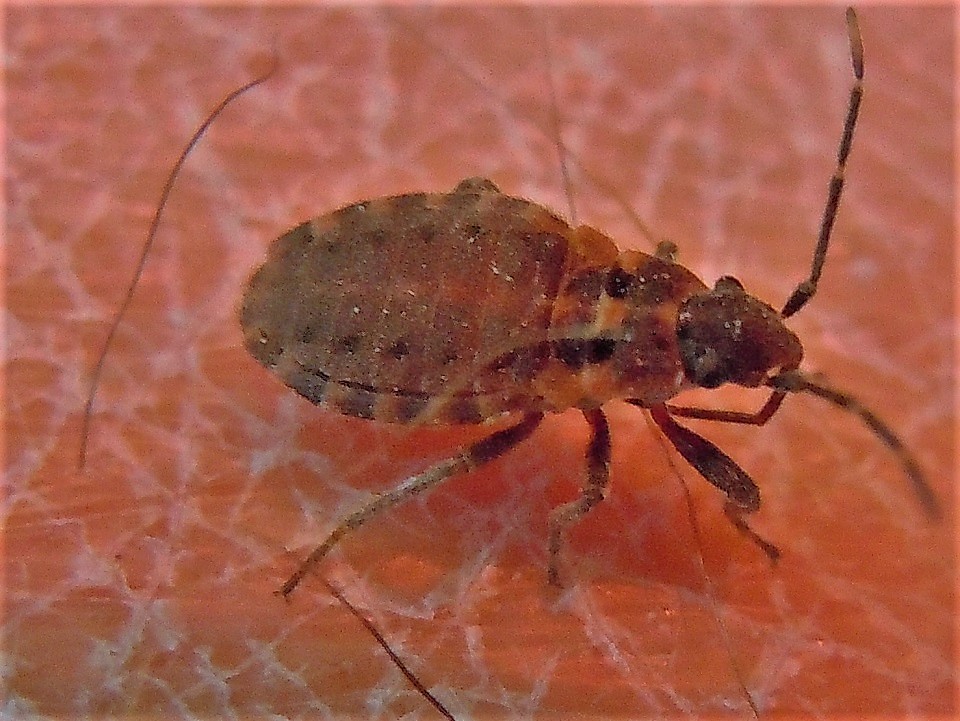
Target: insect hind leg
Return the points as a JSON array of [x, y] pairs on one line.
[[598, 474], [475, 455]]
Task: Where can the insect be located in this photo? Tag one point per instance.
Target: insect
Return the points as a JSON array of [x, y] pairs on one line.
[[473, 305]]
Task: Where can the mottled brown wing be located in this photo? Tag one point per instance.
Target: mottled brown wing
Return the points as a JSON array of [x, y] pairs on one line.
[[380, 308]]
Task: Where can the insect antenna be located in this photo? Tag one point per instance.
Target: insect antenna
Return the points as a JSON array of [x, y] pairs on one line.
[[807, 288], [148, 245], [793, 381]]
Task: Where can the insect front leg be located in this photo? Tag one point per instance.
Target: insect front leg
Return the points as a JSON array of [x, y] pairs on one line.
[[598, 473], [757, 418], [743, 495], [476, 455]]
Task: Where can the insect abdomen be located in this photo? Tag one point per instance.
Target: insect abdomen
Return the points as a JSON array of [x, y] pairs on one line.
[[399, 308]]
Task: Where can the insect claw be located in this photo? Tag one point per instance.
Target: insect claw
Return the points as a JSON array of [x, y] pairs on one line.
[[735, 514]]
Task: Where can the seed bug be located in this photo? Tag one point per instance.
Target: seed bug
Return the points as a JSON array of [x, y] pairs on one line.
[[473, 305]]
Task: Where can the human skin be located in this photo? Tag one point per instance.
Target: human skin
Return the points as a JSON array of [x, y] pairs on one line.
[[144, 583]]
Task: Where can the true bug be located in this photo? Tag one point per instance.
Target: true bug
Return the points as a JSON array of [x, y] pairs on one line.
[[467, 306]]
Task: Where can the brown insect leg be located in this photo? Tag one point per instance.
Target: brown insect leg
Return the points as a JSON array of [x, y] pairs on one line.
[[598, 473], [806, 289], [732, 511], [476, 455], [743, 495], [757, 418]]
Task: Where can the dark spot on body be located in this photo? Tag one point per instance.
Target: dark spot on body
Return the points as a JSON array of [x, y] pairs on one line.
[[406, 408], [399, 349], [523, 364], [576, 353], [619, 283], [350, 343], [572, 353], [303, 233], [473, 232], [661, 342], [601, 349], [310, 383], [586, 284], [358, 403]]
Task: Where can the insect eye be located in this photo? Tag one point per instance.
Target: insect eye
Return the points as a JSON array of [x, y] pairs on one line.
[[619, 283]]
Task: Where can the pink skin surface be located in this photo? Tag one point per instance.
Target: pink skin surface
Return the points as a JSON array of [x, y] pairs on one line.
[[144, 584]]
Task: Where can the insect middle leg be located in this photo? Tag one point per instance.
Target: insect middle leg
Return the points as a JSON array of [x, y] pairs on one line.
[[598, 474], [475, 455]]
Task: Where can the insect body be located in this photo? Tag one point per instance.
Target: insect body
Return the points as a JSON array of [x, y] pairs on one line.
[[471, 305], [461, 307]]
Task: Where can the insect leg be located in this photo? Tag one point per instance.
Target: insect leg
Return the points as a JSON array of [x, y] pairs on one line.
[[476, 455], [757, 418], [598, 473], [743, 495], [807, 288]]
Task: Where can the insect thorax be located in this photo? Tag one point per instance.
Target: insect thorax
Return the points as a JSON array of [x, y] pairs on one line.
[[614, 330]]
